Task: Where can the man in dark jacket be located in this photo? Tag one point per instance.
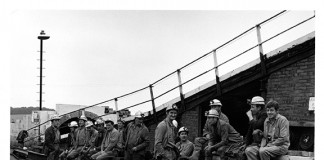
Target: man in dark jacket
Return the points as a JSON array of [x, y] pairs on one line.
[[257, 114], [52, 139], [70, 140], [137, 139]]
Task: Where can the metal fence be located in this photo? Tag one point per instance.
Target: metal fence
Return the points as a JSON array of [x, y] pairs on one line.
[[209, 66]]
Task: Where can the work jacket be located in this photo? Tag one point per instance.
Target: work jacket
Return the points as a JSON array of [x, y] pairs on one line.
[[52, 139], [254, 124], [165, 133], [137, 136], [276, 132]]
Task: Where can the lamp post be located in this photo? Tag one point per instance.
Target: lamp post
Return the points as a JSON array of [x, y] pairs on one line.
[[41, 37]]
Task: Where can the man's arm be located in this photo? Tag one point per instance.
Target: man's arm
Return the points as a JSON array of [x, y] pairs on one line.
[[113, 139], [49, 139], [283, 133], [159, 133], [145, 137], [224, 136]]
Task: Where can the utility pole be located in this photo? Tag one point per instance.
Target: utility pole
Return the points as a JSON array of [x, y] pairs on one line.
[[41, 37]]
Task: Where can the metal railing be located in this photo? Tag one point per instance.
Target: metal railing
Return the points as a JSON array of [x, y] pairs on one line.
[[177, 72]]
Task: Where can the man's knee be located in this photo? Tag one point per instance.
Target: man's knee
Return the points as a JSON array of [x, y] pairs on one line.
[[262, 151]]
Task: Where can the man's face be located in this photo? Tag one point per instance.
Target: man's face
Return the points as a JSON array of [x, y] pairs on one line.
[[109, 126], [72, 129], [183, 136], [100, 126], [212, 120], [120, 124], [138, 120], [271, 112], [255, 109], [216, 107], [172, 114], [56, 122], [81, 122]]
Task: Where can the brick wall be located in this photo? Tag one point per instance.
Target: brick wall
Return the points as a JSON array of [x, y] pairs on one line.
[[291, 87]]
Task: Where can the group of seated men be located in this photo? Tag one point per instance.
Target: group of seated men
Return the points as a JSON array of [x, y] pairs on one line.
[[267, 137]]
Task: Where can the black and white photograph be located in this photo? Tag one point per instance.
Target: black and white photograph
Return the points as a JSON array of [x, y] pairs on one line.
[[161, 84]]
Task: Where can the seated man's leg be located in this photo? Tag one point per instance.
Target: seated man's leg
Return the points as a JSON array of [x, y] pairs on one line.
[[96, 155], [252, 153], [74, 153], [106, 156], [267, 152], [209, 154]]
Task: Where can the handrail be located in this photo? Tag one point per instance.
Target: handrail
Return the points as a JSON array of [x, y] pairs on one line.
[[192, 62]]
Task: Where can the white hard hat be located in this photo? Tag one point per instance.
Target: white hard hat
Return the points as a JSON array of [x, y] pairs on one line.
[[83, 117], [55, 117], [99, 121], [257, 100], [215, 102], [89, 124], [110, 120], [172, 107], [175, 123], [139, 114], [183, 129], [213, 113], [73, 124]]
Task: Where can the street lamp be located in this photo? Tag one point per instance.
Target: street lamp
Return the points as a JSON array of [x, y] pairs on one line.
[[41, 37]]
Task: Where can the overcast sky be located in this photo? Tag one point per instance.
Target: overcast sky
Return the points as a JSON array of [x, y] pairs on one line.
[[96, 55]]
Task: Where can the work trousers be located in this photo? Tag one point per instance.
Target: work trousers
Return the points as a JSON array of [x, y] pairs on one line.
[[54, 155], [219, 151], [265, 153], [129, 155], [102, 155], [74, 153], [64, 154]]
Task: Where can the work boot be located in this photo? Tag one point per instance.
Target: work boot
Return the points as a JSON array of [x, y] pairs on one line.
[[195, 155]]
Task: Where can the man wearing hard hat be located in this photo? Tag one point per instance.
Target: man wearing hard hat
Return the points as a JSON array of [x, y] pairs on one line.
[[223, 138], [52, 139], [109, 143], [70, 140], [100, 127], [81, 138], [184, 146], [165, 134], [216, 105], [257, 115], [121, 139], [89, 148], [137, 138], [275, 140]]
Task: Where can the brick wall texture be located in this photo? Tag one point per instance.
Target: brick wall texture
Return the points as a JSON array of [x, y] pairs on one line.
[[291, 87]]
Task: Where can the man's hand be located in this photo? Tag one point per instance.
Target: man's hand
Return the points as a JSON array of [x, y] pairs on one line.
[[249, 114], [134, 149]]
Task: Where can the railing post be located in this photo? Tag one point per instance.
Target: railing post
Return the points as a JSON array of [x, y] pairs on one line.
[[153, 103], [218, 87], [116, 107], [263, 66], [183, 107]]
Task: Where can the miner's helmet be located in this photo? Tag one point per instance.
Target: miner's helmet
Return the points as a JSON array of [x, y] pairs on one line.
[[257, 100], [183, 129], [139, 114], [55, 117], [213, 113], [172, 107], [83, 117], [89, 124], [215, 102], [73, 124], [99, 121], [175, 123]]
